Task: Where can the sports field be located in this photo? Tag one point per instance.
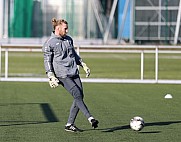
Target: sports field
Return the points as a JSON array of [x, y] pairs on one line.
[[33, 112]]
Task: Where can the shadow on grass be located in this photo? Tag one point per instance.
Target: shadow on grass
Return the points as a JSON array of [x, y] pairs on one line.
[[119, 128], [19, 123], [46, 111]]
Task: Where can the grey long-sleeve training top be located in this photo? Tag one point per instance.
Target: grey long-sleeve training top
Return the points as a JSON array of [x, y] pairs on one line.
[[60, 56]]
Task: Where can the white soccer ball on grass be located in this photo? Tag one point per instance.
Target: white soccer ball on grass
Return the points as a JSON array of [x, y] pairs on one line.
[[137, 123]]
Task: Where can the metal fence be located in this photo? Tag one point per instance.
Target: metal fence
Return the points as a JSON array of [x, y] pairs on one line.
[[142, 50]]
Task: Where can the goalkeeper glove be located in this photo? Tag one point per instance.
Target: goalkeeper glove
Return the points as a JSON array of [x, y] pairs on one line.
[[86, 69], [53, 81]]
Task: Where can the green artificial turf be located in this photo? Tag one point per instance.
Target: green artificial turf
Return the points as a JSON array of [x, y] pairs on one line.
[[33, 112]]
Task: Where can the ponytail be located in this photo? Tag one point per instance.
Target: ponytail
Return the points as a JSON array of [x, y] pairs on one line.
[[54, 23]]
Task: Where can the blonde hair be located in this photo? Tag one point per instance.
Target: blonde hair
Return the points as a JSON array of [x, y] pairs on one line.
[[56, 22]]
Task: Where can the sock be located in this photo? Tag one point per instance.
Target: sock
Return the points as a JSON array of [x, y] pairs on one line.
[[90, 118], [68, 124]]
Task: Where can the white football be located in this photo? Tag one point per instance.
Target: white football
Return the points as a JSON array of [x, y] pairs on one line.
[[137, 123]]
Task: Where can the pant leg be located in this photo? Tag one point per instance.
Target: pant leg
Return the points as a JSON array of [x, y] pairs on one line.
[[73, 113], [74, 108], [74, 86]]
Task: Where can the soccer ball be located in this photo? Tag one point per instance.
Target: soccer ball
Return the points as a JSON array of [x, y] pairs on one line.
[[137, 123]]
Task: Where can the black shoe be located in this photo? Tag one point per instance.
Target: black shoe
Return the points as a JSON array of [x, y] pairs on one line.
[[72, 128], [94, 123]]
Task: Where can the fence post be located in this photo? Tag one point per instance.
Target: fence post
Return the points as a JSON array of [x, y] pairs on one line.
[[0, 62], [78, 49], [142, 65], [156, 64], [6, 63]]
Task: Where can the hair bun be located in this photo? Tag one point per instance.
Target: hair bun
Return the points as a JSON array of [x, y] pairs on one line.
[[54, 20]]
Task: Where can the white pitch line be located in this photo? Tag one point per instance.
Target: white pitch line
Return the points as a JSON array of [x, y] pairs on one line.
[[97, 80]]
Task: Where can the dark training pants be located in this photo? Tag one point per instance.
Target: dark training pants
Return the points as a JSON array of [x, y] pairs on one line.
[[74, 86]]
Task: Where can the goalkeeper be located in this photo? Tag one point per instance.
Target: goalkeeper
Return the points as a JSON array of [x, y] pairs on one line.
[[60, 61]]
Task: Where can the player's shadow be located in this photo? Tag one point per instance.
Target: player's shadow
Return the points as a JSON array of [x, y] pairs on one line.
[[47, 111], [115, 128], [118, 128]]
